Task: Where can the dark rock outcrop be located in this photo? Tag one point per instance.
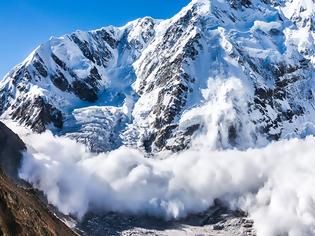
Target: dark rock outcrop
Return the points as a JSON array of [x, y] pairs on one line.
[[37, 113], [21, 210], [23, 213], [11, 148]]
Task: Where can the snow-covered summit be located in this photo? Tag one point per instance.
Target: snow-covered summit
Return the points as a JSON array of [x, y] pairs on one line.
[[239, 72]]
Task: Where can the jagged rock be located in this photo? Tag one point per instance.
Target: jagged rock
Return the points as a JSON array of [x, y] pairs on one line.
[[37, 113]]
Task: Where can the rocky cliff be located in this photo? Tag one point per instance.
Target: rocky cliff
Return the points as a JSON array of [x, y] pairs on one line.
[[21, 210]]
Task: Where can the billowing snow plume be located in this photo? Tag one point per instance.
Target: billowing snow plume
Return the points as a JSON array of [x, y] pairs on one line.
[[273, 184]]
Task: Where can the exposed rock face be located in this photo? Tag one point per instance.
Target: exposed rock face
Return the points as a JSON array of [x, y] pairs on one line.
[[21, 210], [239, 72], [22, 213], [11, 148], [36, 113]]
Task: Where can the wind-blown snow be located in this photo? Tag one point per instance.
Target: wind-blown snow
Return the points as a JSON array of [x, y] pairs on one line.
[[273, 184]]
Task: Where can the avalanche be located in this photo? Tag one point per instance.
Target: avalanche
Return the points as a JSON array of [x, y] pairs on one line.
[[220, 96], [273, 184]]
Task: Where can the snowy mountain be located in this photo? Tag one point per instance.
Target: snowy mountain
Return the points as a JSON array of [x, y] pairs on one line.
[[240, 72]]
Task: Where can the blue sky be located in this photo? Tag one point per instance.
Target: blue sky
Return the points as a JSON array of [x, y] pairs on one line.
[[24, 24]]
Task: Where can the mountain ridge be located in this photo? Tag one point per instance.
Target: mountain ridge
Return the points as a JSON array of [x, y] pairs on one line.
[[238, 72]]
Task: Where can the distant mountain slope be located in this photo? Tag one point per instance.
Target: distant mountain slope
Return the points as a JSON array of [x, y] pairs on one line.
[[240, 72]]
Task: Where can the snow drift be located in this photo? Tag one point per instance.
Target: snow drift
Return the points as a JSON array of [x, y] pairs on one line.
[[273, 184]]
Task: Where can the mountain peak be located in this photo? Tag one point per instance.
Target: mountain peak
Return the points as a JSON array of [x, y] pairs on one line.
[[238, 71]]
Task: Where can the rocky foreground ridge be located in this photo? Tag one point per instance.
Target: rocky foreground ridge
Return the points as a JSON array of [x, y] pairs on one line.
[[22, 212]]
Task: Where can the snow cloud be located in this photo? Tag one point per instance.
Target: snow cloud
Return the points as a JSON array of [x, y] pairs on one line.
[[275, 185]]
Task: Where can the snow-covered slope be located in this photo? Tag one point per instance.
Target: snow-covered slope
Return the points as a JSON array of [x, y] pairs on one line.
[[240, 72]]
